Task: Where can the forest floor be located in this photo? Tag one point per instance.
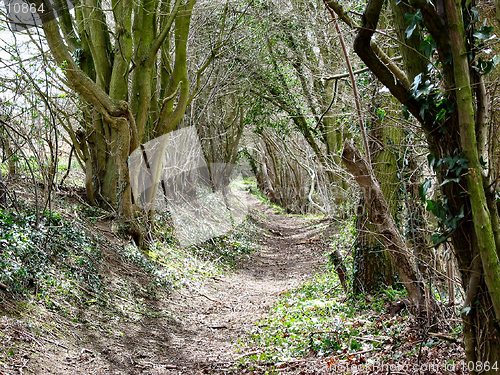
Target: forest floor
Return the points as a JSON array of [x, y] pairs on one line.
[[219, 313], [92, 303], [194, 329]]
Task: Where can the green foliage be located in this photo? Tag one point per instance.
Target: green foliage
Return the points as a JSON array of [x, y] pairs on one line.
[[484, 63], [434, 106], [290, 329], [381, 113], [393, 295], [151, 262], [413, 21], [452, 169], [485, 66], [93, 213], [51, 258], [227, 250], [171, 266], [484, 33], [427, 46], [313, 319]]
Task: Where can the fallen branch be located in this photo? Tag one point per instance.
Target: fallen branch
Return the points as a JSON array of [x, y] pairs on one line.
[[445, 337]]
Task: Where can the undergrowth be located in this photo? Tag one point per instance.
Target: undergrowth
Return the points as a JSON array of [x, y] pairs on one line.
[[317, 319], [67, 268], [51, 258], [63, 260]]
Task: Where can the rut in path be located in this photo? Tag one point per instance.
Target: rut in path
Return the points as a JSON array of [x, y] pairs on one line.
[[222, 310]]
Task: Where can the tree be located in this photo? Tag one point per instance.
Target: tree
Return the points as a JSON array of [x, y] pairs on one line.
[[373, 268], [448, 98], [130, 66]]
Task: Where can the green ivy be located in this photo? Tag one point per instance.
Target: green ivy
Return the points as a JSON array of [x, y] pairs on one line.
[[453, 169], [55, 254]]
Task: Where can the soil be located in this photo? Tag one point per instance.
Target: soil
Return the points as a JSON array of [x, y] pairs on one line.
[[195, 329]]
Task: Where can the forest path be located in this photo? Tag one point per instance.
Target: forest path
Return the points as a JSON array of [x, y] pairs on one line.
[[214, 316], [194, 330]]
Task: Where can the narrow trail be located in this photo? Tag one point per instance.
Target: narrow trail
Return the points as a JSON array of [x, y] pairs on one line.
[[222, 310], [196, 329]]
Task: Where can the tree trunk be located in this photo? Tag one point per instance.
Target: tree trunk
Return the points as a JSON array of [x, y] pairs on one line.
[[121, 115], [373, 269], [380, 215], [473, 237]]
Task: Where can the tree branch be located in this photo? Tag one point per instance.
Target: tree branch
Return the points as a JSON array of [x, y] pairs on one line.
[[363, 48], [77, 79], [334, 6], [164, 33], [355, 72]]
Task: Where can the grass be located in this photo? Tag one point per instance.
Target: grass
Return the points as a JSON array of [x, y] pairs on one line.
[[251, 185], [317, 319]]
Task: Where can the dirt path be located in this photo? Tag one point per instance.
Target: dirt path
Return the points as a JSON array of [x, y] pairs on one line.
[[216, 314], [193, 331]]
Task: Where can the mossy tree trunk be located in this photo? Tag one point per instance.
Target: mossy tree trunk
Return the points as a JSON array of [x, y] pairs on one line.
[[379, 214], [413, 64], [373, 269], [99, 64], [473, 238]]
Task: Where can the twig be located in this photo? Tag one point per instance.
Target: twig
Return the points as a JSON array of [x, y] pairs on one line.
[[370, 339], [202, 295], [444, 337], [44, 339], [357, 101], [359, 71], [209, 298], [247, 354], [54, 342]]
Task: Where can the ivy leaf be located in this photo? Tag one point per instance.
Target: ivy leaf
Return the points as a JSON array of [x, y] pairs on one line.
[[427, 46], [441, 115], [438, 238], [486, 66], [436, 208], [414, 20], [424, 108], [416, 82], [432, 160], [409, 30], [474, 14], [484, 163], [424, 189], [406, 112], [483, 33], [452, 222]]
